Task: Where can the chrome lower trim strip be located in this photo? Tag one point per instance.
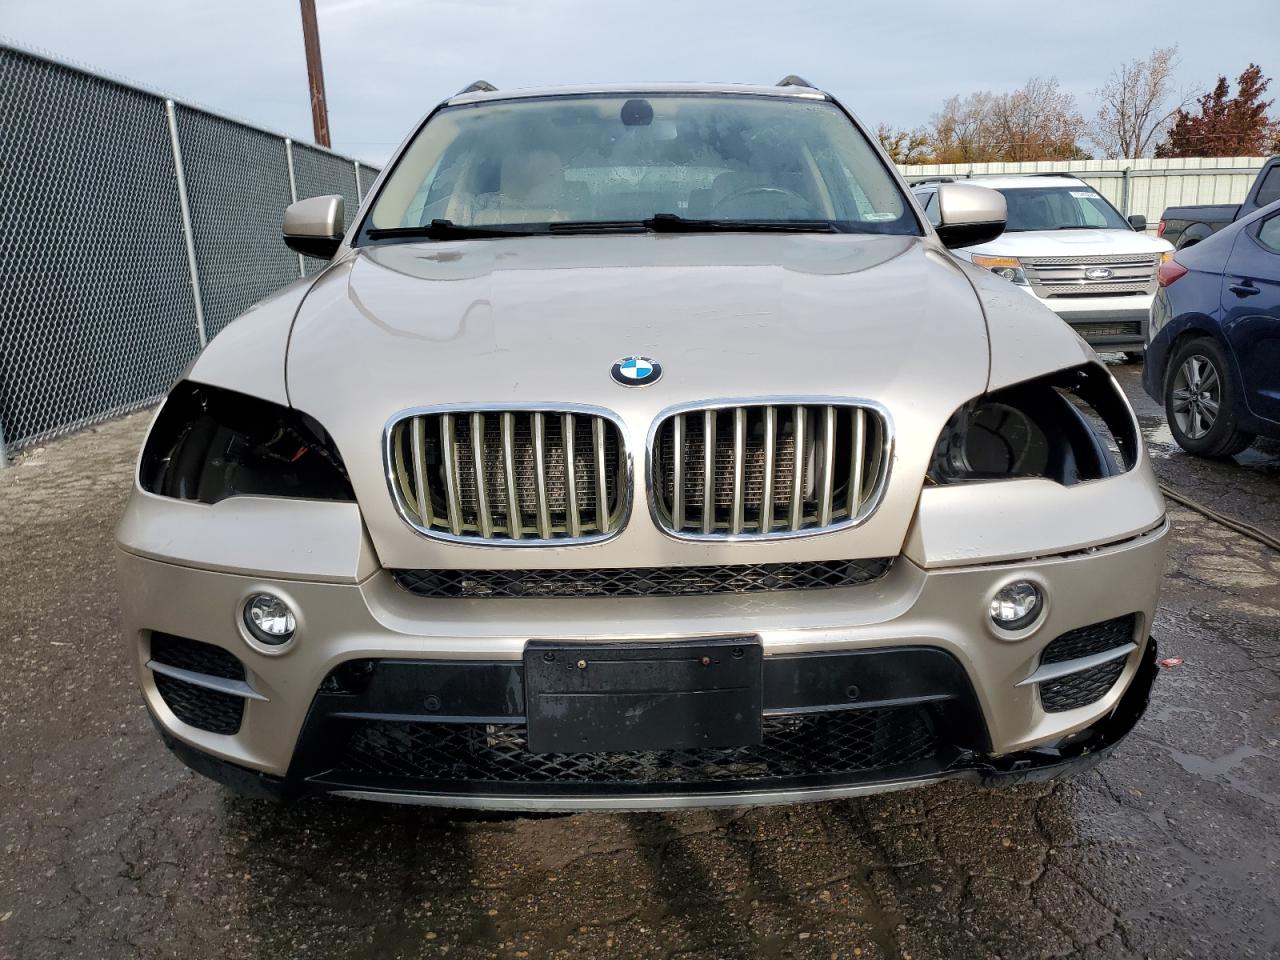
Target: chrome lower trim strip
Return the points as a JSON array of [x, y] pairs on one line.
[[665, 801], [237, 688], [1064, 668]]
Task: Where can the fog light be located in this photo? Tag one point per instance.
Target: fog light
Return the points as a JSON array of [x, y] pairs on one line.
[[1016, 605], [269, 619]]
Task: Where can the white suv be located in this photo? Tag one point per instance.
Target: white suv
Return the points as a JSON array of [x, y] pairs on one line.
[[1067, 245]]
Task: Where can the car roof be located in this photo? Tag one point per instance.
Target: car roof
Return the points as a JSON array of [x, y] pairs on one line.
[[640, 89], [1024, 181]]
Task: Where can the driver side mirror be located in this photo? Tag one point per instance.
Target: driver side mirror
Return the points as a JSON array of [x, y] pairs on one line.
[[1138, 222], [313, 227], [969, 214]]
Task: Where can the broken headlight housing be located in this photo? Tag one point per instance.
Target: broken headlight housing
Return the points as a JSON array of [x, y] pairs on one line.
[[1069, 426], [209, 444]]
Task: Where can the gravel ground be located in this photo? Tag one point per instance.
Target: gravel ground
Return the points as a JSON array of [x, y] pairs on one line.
[[112, 849]]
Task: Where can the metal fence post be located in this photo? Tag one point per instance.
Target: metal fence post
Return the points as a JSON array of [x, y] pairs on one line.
[[1124, 191], [187, 234], [293, 193], [359, 185], [4, 454]]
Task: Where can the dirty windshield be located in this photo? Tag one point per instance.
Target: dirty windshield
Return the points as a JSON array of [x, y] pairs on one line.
[[564, 163], [1060, 208]]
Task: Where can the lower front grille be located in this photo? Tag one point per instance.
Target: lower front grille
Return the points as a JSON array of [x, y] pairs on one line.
[[1124, 328], [213, 710], [195, 656], [839, 744], [200, 707], [1087, 641], [643, 581], [1080, 689], [1092, 684]]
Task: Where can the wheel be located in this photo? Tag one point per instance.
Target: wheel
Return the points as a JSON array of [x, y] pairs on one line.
[[1199, 401]]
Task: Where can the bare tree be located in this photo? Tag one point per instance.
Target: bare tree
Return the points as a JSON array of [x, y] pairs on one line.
[[960, 133], [1137, 105], [904, 146], [1036, 122]]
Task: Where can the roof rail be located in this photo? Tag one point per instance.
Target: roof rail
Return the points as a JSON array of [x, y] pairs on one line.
[[915, 182], [791, 80], [1053, 173], [480, 86]]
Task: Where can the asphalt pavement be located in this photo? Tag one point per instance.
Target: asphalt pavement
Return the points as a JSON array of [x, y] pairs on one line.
[[110, 848]]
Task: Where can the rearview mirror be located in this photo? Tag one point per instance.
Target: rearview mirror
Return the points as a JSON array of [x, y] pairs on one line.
[[1138, 222], [969, 214], [313, 227]]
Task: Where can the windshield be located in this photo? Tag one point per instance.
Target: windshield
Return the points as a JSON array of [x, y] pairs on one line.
[[1061, 208], [526, 165]]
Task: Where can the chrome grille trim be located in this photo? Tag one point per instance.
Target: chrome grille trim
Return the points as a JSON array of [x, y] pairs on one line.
[[1065, 276], [779, 467], [510, 475]]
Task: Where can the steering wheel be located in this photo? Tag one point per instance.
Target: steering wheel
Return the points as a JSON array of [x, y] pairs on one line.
[[759, 189]]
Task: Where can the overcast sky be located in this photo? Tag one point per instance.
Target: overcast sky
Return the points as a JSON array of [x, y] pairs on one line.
[[388, 61]]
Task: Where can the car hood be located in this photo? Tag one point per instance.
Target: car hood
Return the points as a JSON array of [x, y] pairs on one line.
[[1068, 243], [543, 319]]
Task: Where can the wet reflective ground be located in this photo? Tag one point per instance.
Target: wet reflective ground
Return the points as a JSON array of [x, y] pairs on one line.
[[1246, 487], [109, 848]]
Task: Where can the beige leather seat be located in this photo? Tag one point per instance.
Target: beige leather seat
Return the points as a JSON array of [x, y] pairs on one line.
[[532, 189]]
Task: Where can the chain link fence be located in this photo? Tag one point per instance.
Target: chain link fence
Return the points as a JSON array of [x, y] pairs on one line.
[[132, 230]]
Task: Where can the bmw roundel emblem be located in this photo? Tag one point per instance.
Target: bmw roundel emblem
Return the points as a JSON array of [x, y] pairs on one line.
[[636, 371]]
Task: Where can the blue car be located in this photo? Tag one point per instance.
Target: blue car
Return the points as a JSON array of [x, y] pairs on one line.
[[1213, 350]]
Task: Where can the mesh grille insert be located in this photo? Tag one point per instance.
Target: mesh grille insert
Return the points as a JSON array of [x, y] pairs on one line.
[[1086, 686], [849, 742], [643, 581], [211, 710], [206, 709], [1123, 328], [195, 656], [1080, 689], [1095, 638]]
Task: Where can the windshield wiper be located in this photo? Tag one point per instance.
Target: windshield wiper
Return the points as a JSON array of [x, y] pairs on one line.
[[674, 223], [448, 230], [1082, 226]]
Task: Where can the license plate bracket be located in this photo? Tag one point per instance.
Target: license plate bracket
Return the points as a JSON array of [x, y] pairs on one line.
[[661, 695]]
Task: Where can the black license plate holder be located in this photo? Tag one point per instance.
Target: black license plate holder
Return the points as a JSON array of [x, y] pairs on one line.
[[661, 695]]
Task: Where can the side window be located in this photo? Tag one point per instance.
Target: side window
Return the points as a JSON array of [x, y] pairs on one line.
[[930, 203], [1269, 189], [1269, 232]]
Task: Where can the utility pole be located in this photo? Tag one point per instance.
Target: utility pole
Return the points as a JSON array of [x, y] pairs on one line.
[[315, 72]]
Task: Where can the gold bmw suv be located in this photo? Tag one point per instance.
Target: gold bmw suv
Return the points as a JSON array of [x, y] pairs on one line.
[[642, 447]]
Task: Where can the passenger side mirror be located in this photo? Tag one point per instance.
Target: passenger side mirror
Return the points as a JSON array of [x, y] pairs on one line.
[[313, 227], [1138, 222], [969, 214]]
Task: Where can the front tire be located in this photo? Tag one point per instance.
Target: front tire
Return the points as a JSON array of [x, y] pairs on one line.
[[1200, 396]]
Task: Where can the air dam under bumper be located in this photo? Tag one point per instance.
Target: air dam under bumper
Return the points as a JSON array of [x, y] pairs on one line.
[[952, 699], [1070, 754], [1106, 323]]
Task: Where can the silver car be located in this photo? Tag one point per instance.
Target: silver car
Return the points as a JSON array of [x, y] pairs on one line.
[[642, 447]]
